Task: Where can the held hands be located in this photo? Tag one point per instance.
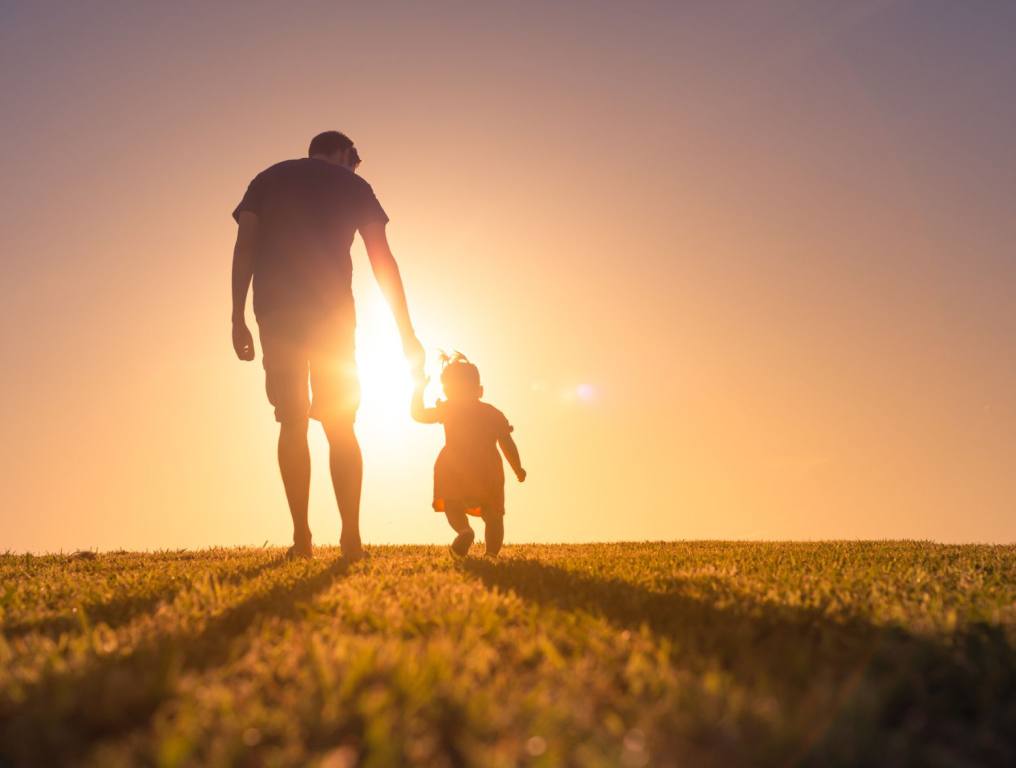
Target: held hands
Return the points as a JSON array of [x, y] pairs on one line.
[[413, 350], [243, 342]]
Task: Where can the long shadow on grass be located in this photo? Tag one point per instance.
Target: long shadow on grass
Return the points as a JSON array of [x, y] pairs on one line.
[[120, 610], [62, 715], [896, 698]]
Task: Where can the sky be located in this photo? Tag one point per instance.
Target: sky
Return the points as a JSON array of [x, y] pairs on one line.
[[733, 270]]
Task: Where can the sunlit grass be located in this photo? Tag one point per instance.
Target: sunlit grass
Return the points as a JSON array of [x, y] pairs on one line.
[[625, 654]]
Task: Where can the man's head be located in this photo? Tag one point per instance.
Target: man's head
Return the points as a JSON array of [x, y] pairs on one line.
[[336, 148]]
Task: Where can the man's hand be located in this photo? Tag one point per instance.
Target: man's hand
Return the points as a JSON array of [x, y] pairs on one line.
[[415, 355], [520, 474], [243, 342]]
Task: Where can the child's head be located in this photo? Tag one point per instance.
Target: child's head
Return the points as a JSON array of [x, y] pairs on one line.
[[460, 379]]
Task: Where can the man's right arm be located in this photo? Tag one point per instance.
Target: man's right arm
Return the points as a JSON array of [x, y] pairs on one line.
[[386, 272], [243, 271]]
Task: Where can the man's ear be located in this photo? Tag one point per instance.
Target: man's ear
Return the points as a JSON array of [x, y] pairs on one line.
[[481, 390]]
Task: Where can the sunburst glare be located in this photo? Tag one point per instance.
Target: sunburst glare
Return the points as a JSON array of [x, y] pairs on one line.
[[385, 380]]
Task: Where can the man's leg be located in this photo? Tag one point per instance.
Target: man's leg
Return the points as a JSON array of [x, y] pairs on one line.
[[294, 464], [285, 363], [346, 465]]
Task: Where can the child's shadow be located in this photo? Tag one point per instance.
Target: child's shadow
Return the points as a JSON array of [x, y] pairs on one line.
[[890, 696]]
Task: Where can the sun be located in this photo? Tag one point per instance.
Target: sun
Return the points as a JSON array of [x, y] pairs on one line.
[[385, 383]]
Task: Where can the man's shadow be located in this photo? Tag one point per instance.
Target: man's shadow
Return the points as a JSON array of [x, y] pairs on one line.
[[898, 698], [121, 609], [63, 713]]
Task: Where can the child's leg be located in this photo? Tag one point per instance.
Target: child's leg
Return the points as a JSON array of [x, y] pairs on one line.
[[457, 520], [493, 531]]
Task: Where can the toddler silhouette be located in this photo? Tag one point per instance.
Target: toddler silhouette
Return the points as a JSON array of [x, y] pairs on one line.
[[468, 474]]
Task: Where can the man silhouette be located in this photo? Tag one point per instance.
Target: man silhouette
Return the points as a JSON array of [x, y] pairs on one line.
[[296, 225]]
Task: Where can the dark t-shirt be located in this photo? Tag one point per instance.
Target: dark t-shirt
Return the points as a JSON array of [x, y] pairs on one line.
[[308, 211]]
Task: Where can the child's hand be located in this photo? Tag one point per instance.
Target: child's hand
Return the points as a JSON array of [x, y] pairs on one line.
[[420, 379], [520, 473]]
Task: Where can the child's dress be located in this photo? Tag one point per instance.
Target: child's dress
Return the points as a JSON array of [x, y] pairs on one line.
[[468, 473]]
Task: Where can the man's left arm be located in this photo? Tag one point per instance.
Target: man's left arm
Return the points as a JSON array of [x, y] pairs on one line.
[[243, 271]]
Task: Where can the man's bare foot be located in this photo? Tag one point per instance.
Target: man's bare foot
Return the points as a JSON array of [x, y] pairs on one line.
[[301, 549], [353, 554]]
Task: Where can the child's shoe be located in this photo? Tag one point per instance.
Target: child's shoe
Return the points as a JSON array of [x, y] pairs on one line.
[[460, 547]]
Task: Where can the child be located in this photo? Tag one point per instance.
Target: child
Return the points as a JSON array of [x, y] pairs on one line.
[[468, 475]]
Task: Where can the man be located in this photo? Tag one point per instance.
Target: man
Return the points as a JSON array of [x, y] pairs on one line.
[[296, 225]]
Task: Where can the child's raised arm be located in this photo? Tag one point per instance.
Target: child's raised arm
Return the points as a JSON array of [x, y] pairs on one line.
[[511, 454], [417, 409]]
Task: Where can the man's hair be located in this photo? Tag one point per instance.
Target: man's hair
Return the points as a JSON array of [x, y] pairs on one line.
[[328, 143]]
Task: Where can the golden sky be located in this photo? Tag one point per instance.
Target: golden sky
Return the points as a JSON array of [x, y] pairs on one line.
[[731, 272]]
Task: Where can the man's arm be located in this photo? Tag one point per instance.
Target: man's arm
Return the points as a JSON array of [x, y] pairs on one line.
[[243, 271], [386, 272]]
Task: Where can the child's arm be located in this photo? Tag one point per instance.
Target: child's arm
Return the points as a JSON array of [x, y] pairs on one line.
[[417, 409], [511, 454]]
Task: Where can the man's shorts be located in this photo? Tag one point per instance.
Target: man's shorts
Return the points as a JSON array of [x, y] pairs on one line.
[[310, 367]]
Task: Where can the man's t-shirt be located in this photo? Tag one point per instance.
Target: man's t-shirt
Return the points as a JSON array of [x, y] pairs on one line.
[[308, 211]]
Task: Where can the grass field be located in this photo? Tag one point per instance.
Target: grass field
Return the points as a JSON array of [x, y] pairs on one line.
[[628, 654]]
